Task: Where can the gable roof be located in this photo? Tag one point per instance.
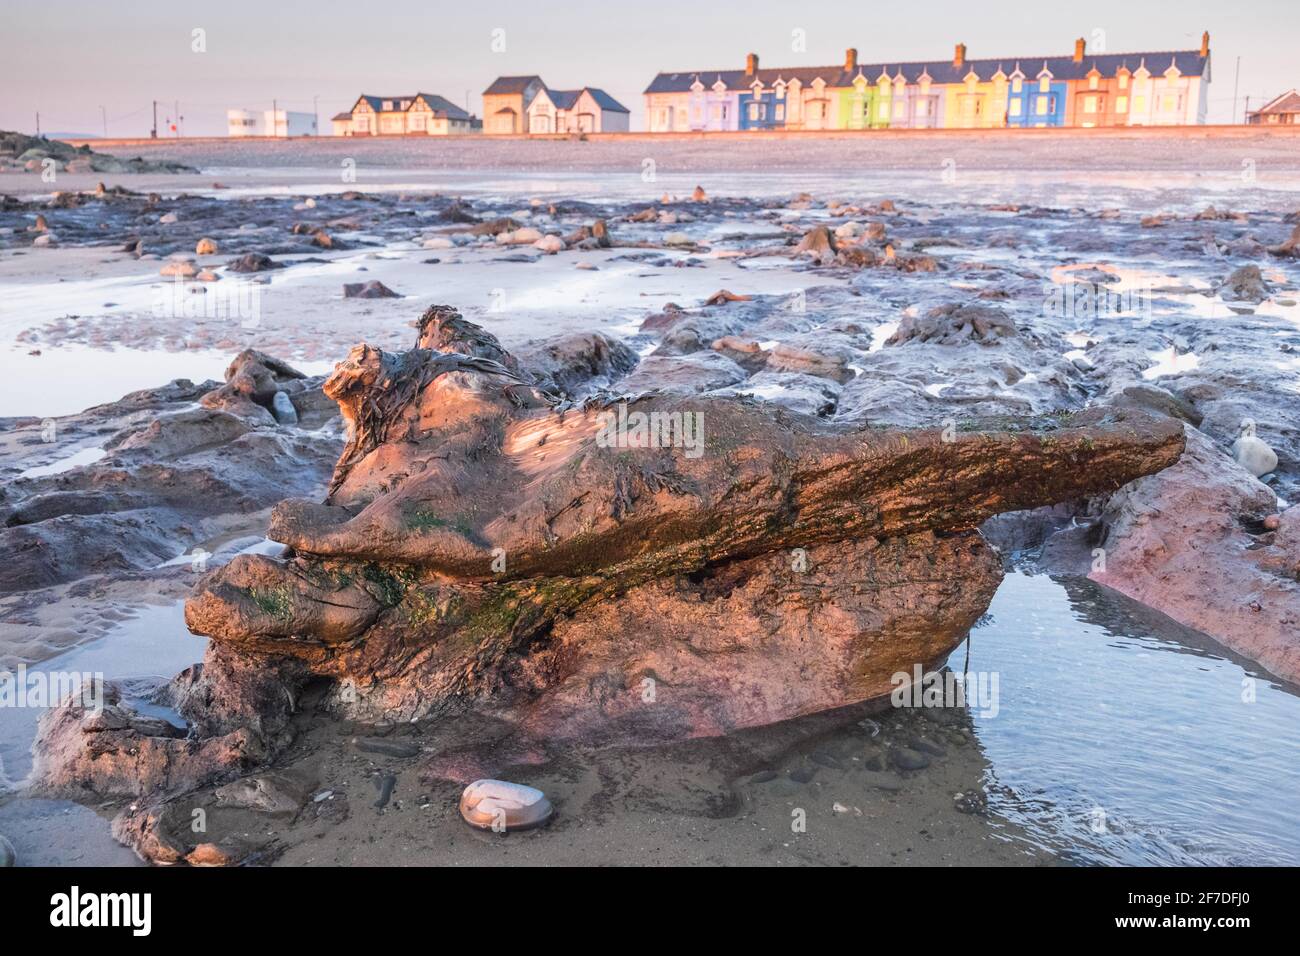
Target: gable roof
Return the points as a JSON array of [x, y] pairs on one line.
[[439, 104], [442, 105], [504, 85], [1288, 102], [1189, 63], [604, 100], [567, 99]]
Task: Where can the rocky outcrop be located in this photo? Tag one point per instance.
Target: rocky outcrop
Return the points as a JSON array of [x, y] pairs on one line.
[[1202, 542], [168, 476], [481, 546]]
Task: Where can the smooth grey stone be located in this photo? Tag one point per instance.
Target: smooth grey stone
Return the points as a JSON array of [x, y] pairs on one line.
[[283, 410], [904, 758]]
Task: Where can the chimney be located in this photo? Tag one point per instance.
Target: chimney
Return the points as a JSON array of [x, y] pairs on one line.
[[1079, 46], [850, 60], [751, 64], [959, 55], [1205, 44]]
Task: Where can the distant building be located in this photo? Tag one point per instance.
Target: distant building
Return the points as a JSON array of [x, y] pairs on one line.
[[243, 123], [270, 123], [1103, 89], [1282, 111], [289, 123], [413, 114], [506, 101], [525, 104]]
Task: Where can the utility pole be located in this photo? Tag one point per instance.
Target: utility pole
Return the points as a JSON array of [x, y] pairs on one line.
[[1245, 115], [38, 124], [1236, 76], [315, 111], [176, 112], [103, 113], [153, 133]]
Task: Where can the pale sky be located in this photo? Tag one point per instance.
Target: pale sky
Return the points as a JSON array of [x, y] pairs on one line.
[[70, 58]]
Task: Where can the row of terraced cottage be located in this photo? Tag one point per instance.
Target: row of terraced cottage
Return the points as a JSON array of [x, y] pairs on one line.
[[1155, 88]]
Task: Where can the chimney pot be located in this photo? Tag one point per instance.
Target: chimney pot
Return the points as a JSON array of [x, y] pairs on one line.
[[1205, 44], [1079, 46], [751, 64], [850, 60], [959, 55]]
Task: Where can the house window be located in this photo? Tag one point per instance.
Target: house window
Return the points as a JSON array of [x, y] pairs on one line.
[[1139, 104], [1169, 102], [1041, 108], [1123, 81], [923, 108], [1016, 107], [1121, 104], [780, 112], [753, 111], [388, 105], [1092, 81], [1016, 84], [1090, 104], [883, 112], [1044, 84]]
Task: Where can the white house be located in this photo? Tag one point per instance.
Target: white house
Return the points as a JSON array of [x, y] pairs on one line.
[[243, 123], [288, 123], [588, 110]]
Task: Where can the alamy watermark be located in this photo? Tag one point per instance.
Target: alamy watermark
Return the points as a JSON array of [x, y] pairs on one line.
[[1095, 300], [620, 428], [229, 300], [977, 690], [44, 689]]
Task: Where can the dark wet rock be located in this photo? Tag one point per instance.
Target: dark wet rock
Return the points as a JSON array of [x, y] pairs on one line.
[[804, 774], [955, 325], [274, 793], [385, 784], [113, 751], [494, 227], [905, 758], [1245, 284], [253, 262], [1156, 399], [387, 747], [702, 371], [374, 289], [172, 477], [577, 362], [749, 354], [253, 380], [805, 394], [818, 243]]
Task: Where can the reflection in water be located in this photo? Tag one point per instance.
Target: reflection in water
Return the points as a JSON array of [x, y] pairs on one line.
[[1123, 737]]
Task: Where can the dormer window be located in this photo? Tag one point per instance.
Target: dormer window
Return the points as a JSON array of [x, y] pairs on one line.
[[1045, 83], [1017, 83], [1093, 81], [1123, 80], [388, 106]]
